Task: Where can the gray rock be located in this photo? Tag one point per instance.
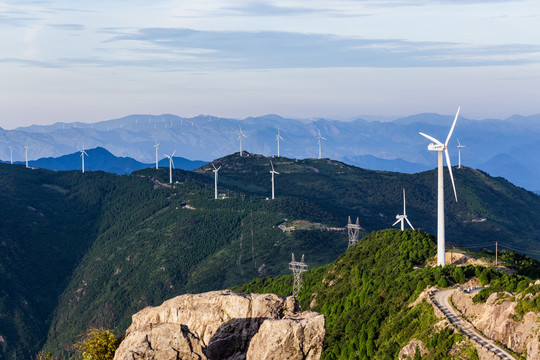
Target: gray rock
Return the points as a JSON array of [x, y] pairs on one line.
[[224, 325]]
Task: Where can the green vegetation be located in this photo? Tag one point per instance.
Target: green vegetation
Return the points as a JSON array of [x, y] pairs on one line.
[[84, 251], [365, 294], [98, 344]]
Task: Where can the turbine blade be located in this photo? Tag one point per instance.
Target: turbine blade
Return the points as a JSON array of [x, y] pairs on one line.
[[458, 143], [218, 168], [173, 153], [408, 222], [452, 128], [394, 224], [276, 172], [450, 170], [213, 165], [272, 165], [431, 138]]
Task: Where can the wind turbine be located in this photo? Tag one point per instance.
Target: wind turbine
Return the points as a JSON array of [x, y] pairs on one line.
[[240, 135], [403, 218], [26, 152], [436, 145], [11, 154], [320, 138], [273, 172], [156, 146], [215, 179], [82, 157], [171, 164], [278, 137], [459, 153]]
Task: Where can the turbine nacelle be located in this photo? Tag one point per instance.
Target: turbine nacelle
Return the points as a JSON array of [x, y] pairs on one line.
[[436, 147]]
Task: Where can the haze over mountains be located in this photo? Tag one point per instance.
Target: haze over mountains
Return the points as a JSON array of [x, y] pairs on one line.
[[499, 147]]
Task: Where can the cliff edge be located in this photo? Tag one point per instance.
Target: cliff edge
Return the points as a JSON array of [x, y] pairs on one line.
[[224, 325]]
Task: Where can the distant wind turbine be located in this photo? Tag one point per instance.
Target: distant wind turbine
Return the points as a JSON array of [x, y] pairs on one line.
[[171, 165], [278, 137], [436, 145], [459, 153], [403, 218], [26, 152], [240, 136], [82, 158], [320, 138], [215, 179], [156, 146], [273, 172], [11, 154]]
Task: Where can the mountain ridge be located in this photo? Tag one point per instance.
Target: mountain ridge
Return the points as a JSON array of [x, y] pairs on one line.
[[210, 137]]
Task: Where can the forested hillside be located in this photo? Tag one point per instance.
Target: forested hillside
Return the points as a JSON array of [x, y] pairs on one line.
[[89, 250], [366, 295]]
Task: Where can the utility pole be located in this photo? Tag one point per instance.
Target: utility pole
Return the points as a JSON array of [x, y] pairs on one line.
[[297, 267], [353, 230]]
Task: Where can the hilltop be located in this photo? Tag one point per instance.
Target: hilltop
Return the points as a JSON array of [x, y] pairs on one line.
[[91, 249], [373, 298]]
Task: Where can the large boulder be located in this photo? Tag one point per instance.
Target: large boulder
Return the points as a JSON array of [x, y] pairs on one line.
[[224, 325]]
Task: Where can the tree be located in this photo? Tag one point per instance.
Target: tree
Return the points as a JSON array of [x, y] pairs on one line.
[[98, 344]]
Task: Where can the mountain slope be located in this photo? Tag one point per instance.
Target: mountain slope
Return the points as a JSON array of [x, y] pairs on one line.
[[138, 241], [367, 293]]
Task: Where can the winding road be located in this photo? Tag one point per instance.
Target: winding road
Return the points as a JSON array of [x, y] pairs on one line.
[[442, 300]]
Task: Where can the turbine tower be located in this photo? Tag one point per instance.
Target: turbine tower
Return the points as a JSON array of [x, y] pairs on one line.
[[156, 146], [297, 267], [82, 158], [26, 154], [459, 153], [11, 154], [240, 136], [436, 145], [215, 179], [278, 137], [273, 172], [403, 218], [171, 165], [354, 231], [320, 138]]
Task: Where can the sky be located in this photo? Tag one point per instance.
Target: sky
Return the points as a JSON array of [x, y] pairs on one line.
[[96, 60]]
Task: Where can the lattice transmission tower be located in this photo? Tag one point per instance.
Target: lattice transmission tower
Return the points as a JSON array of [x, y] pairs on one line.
[[297, 267], [354, 231]]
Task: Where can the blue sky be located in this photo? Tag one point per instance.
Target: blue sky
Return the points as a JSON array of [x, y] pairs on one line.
[[90, 61]]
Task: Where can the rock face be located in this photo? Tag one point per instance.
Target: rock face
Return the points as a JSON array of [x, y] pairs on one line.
[[224, 325], [494, 319]]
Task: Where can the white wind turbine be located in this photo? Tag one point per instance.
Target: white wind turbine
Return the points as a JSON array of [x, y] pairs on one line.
[[171, 165], [278, 137], [403, 218], [26, 154], [240, 136], [459, 153], [82, 158], [320, 138], [273, 172], [156, 146], [215, 179], [11, 154], [436, 145]]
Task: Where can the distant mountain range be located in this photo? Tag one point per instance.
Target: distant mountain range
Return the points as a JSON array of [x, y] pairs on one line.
[[499, 147], [101, 159]]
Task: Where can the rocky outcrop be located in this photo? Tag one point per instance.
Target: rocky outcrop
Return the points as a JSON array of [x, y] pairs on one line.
[[224, 325], [411, 348], [494, 319]]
